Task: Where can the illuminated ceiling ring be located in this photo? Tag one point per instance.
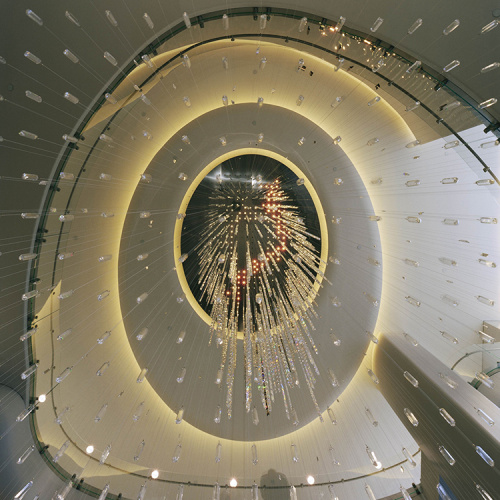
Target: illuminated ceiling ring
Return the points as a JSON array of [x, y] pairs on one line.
[[192, 188]]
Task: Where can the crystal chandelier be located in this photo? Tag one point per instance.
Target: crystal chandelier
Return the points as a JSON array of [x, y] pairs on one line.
[[258, 271]]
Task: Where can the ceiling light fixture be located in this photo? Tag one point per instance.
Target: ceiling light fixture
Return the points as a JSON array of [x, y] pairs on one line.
[[256, 264]]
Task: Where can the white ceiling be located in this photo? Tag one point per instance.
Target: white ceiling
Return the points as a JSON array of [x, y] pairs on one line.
[[354, 242]]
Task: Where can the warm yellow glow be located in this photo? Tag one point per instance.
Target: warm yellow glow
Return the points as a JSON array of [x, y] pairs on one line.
[[196, 435]]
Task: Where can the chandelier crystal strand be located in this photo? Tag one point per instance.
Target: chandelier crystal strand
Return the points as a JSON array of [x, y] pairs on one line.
[[258, 269]]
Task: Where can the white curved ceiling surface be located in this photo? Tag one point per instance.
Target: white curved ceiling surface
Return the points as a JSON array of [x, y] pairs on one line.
[[377, 268]]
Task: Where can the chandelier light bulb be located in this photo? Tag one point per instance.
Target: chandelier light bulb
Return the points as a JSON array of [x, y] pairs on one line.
[[148, 20], [180, 415], [490, 67], [22, 492], [371, 417], [255, 491], [414, 27], [255, 416], [340, 24], [64, 374], [310, 480], [485, 379], [484, 494], [110, 59], [58, 419], [485, 416], [373, 458], [487, 103], [373, 377], [451, 105], [27, 256], [103, 368], [142, 375], [218, 414], [263, 21], [216, 492], [142, 492], [413, 67], [25, 413], [32, 57], [146, 178], [181, 375], [29, 371], [26, 454], [409, 458], [255, 459], [111, 18], [104, 492], [411, 417], [34, 17], [147, 60], [488, 220], [32, 136], [447, 455], [331, 490], [376, 24], [139, 450], [61, 451], [177, 453], [186, 62], [333, 458], [405, 493], [452, 65], [488, 27], [331, 415], [408, 376], [484, 456], [451, 27], [101, 413], [412, 107], [33, 96], [448, 381], [233, 482]]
